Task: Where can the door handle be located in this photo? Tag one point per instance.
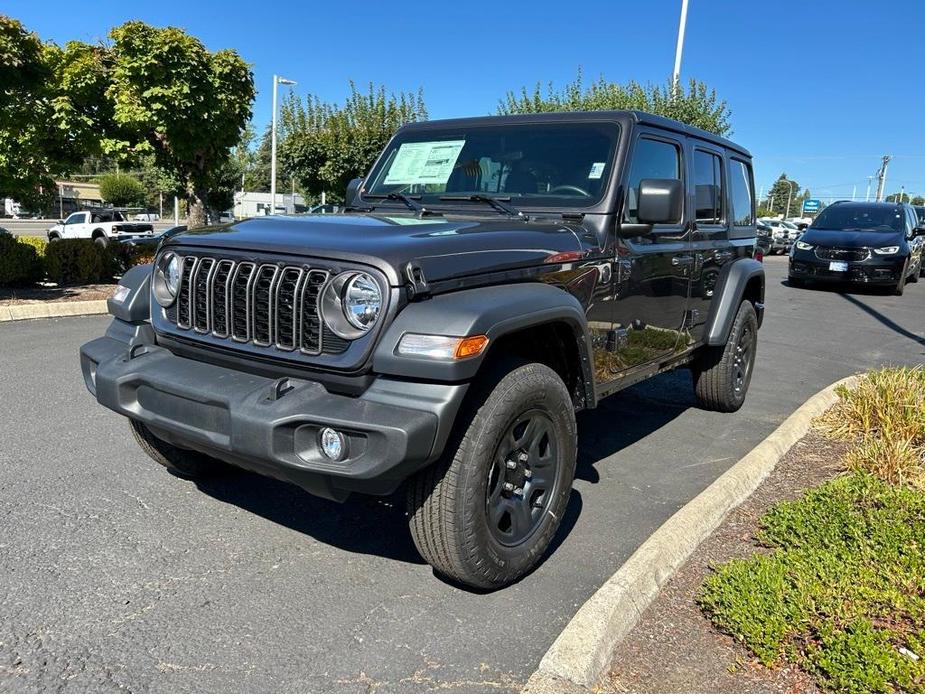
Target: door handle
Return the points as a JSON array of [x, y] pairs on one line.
[[678, 260]]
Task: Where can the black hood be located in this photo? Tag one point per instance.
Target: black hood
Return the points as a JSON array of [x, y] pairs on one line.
[[852, 239], [444, 248]]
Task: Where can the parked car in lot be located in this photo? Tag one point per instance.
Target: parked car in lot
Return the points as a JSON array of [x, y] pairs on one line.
[[864, 242], [490, 278], [782, 235], [99, 225], [920, 213]]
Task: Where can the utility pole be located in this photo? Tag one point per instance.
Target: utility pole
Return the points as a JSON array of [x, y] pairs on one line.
[[789, 197], [869, 179], [676, 75], [881, 176], [854, 192]]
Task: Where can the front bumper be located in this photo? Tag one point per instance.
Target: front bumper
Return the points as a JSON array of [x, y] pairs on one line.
[[271, 425], [875, 270]]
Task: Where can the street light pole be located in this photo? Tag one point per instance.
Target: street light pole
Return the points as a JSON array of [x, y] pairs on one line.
[[277, 80], [789, 197], [869, 179], [676, 75]]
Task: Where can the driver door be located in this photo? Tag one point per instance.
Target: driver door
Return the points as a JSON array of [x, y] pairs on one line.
[[654, 264]]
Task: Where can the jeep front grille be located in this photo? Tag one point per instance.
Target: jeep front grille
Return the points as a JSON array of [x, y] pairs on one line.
[[265, 305]]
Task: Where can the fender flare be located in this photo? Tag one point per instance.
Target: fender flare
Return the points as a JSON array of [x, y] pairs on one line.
[[730, 288], [136, 307], [492, 311]]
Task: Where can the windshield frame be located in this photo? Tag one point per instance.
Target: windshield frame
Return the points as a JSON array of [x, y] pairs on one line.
[[604, 203]]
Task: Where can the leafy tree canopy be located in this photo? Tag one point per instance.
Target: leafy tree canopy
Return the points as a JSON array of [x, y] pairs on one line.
[[784, 190], [122, 190], [326, 145], [696, 104], [177, 100]]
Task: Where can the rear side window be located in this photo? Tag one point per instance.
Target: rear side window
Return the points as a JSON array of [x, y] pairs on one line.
[[708, 187], [741, 197], [652, 159]]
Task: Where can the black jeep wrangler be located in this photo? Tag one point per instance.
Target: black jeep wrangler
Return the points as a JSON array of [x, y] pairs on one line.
[[490, 278]]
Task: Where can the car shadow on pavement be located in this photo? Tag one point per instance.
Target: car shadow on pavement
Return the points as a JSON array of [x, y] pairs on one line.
[[884, 320], [362, 524], [630, 416], [379, 526]]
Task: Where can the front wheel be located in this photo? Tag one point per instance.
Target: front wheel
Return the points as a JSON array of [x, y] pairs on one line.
[[485, 515], [901, 285], [722, 374]]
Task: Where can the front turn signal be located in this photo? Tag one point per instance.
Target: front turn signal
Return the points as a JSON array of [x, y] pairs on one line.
[[441, 346]]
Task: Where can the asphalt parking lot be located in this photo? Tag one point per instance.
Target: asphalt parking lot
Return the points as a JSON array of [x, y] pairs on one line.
[[114, 574]]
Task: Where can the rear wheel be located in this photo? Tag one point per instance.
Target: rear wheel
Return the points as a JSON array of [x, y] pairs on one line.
[[485, 515], [722, 374], [181, 462], [101, 240]]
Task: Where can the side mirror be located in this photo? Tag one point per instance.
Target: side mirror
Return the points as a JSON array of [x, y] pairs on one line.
[[919, 230], [661, 200], [61, 221], [353, 190]]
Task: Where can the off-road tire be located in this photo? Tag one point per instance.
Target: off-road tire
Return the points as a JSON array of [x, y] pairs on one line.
[[448, 502], [189, 465], [101, 241], [719, 382]]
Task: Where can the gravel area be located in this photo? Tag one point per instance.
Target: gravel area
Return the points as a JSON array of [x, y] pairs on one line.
[[674, 648]]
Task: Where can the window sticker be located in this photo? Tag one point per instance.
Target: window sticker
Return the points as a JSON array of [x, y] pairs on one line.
[[597, 169], [424, 162]]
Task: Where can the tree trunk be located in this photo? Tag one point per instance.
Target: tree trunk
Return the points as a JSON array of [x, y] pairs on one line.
[[198, 214]]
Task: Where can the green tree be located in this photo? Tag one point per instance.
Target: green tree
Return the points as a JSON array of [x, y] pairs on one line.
[[122, 190], [51, 110], [905, 197], [696, 105], [326, 145], [175, 99], [785, 189]]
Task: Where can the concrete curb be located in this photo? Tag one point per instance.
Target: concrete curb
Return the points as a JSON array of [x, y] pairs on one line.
[[52, 309], [578, 658]]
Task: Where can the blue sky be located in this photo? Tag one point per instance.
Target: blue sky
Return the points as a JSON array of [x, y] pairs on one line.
[[818, 88]]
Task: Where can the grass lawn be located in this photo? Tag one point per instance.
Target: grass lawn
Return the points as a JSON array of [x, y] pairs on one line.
[[841, 591]]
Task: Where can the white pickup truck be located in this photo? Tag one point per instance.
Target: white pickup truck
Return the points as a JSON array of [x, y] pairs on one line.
[[99, 225]]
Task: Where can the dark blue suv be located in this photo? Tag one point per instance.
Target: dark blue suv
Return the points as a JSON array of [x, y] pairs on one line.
[[863, 242]]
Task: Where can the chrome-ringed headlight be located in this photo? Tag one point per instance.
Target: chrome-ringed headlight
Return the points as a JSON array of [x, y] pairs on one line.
[[351, 304], [166, 281], [803, 246]]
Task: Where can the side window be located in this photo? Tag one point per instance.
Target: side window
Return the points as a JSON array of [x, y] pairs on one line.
[[651, 159], [708, 187], [75, 218], [741, 197]]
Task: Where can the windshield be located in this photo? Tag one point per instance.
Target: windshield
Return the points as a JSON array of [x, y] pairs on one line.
[[532, 165], [850, 217], [789, 225]]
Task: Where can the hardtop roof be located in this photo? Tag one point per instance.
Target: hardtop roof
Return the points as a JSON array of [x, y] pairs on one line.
[[633, 117]]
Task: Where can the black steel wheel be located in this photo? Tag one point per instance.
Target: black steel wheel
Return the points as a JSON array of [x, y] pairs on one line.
[[523, 478], [485, 515], [722, 374]]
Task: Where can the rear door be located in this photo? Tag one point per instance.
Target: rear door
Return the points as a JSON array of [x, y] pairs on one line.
[[709, 232], [653, 265]]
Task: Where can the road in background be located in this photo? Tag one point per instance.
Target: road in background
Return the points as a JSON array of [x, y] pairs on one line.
[[39, 227], [116, 574]]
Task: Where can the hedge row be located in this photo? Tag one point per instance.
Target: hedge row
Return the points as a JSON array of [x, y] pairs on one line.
[[29, 260]]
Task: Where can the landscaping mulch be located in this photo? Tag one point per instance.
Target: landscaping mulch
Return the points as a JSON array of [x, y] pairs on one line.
[[674, 647], [11, 296]]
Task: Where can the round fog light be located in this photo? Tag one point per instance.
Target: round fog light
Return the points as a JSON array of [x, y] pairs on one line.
[[333, 444]]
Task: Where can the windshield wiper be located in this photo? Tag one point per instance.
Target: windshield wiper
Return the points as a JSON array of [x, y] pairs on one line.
[[497, 203], [411, 202]]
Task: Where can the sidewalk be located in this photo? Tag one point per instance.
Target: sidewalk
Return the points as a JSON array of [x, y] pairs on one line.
[[674, 648]]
